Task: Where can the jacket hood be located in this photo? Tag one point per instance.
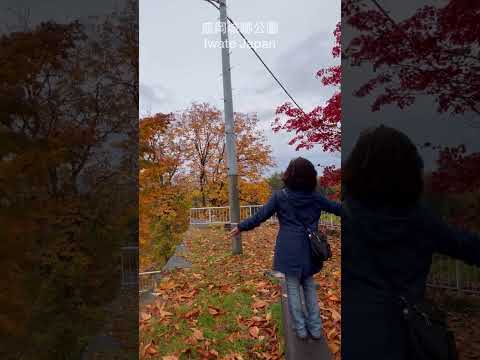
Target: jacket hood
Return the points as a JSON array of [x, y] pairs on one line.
[[298, 199]]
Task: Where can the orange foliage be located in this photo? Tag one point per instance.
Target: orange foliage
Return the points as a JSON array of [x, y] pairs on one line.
[[163, 204]]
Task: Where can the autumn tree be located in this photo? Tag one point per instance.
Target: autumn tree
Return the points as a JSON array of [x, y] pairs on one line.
[[201, 130], [320, 126], [433, 52], [163, 202], [181, 158], [275, 181]]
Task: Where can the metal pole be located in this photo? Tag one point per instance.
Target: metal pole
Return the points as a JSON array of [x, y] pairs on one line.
[[230, 130]]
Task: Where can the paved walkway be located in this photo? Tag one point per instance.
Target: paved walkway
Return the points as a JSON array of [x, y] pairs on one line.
[[118, 337], [177, 261]]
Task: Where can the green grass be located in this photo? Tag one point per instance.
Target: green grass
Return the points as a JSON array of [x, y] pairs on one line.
[[219, 327], [276, 311], [214, 328], [326, 217], [233, 295]]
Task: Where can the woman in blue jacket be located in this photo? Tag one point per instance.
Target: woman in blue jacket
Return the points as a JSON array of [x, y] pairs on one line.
[[296, 205]]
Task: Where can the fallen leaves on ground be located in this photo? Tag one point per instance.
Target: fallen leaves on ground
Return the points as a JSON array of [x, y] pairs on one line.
[[329, 295], [463, 315], [219, 309]]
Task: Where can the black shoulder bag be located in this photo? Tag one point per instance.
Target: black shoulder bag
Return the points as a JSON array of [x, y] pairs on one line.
[[319, 245], [428, 334]]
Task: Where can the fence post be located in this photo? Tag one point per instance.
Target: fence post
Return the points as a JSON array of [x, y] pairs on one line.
[[458, 277], [122, 261], [210, 215]]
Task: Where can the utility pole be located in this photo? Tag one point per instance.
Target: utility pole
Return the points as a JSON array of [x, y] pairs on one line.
[[230, 130]]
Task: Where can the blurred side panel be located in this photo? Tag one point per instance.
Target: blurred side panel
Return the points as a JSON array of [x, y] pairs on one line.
[[414, 66], [68, 179]]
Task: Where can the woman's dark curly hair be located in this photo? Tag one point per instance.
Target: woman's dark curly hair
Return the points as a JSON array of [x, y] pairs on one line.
[[384, 168], [300, 175]]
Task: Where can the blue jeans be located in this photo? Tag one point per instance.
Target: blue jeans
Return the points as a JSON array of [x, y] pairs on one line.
[[302, 322]]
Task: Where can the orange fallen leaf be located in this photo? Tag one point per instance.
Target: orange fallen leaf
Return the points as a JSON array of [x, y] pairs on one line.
[[151, 349], [233, 356], [164, 313], [188, 295], [254, 331], [197, 334], [167, 285], [259, 304], [334, 348], [333, 297], [213, 311], [331, 334], [214, 352], [192, 313], [335, 315], [145, 316]]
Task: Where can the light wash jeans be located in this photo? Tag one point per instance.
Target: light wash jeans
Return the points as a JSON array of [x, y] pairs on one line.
[[302, 322]]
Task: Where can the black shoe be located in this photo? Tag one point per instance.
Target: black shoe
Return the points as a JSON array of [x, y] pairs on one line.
[[301, 336], [315, 336]]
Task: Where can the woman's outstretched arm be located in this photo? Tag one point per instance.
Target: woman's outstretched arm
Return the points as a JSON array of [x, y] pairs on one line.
[[265, 212], [457, 243], [329, 206]]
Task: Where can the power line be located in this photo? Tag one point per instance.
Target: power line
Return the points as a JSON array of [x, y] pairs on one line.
[[215, 4]]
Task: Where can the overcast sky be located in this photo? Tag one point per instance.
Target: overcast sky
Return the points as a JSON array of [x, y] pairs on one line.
[[177, 68]]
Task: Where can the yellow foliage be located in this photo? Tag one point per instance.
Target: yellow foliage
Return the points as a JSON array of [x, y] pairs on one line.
[[201, 130], [254, 193]]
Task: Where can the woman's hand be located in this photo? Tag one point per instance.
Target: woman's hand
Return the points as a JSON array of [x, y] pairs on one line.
[[234, 232]]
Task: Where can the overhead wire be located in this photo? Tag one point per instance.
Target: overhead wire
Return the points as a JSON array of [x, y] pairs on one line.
[[216, 4]]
